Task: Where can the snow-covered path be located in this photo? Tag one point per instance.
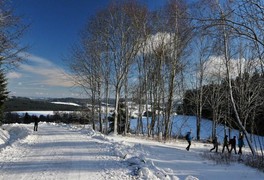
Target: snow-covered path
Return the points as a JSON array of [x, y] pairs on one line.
[[57, 153], [74, 153]]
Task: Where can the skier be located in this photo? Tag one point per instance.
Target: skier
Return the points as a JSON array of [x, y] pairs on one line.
[[225, 144], [188, 138], [215, 143], [232, 142]]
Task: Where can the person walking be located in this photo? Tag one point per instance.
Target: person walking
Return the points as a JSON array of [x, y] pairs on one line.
[[240, 143], [225, 144], [35, 123], [189, 139], [232, 142], [215, 143]]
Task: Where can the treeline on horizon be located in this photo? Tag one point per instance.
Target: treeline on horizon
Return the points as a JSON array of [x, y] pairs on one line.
[[75, 117], [56, 117]]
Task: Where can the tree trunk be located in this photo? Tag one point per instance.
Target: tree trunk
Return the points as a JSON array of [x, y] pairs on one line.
[[117, 97], [126, 107], [100, 107], [169, 105], [227, 60], [106, 108]]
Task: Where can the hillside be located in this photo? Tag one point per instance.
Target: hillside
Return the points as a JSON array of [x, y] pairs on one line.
[[27, 104]]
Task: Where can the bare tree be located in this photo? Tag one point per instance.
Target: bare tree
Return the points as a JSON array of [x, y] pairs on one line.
[[248, 86], [170, 34], [233, 20], [156, 77], [82, 66], [111, 41], [203, 55], [249, 23], [180, 34], [124, 42], [225, 33], [11, 30], [101, 48], [139, 17]]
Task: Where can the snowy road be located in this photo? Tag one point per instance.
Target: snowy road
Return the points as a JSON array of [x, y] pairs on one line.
[[56, 153], [75, 153]]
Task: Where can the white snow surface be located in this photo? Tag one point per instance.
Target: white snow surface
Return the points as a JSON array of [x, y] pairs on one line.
[[59, 151], [66, 103], [36, 113]]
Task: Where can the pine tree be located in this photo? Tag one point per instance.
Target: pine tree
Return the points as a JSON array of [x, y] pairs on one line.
[[3, 93], [121, 120]]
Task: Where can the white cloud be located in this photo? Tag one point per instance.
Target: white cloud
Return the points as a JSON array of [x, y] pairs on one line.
[[36, 59], [156, 41], [39, 77], [14, 75], [215, 67], [48, 73]]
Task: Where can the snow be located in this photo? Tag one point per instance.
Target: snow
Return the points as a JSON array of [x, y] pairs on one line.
[[66, 103], [182, 124], [60, 151], [36, 113]]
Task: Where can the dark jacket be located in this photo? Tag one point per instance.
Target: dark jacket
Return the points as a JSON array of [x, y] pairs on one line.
[[226, 140], [215, 141], [240, 142], [188, 136], [232, 142]]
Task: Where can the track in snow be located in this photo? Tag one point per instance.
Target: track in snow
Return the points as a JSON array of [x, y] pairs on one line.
[[55, 152]]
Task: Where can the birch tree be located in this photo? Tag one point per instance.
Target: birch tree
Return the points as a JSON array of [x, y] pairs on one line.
[[180, 34], [249, 24], [11, 31], [228, 19], [248, 87], [203, 54], [124, 43], [85, 76], [225, 34]]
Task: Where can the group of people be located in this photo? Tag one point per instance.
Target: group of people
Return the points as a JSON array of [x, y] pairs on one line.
[[232, 142]]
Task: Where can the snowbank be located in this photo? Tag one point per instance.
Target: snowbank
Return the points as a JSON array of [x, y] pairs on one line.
[[4, 136], [11, 133]]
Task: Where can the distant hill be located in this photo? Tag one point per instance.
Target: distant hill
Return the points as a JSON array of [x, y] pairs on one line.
[[64, 104], [27, 104]]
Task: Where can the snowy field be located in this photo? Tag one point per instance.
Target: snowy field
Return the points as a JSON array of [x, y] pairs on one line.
[[182, 124], [68, 152]]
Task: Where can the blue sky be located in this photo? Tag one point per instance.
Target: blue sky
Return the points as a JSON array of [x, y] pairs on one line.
[[54, 27]]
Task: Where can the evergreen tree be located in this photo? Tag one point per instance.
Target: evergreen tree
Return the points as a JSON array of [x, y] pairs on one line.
[[3, 93], [27, 119], [121, 120]]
